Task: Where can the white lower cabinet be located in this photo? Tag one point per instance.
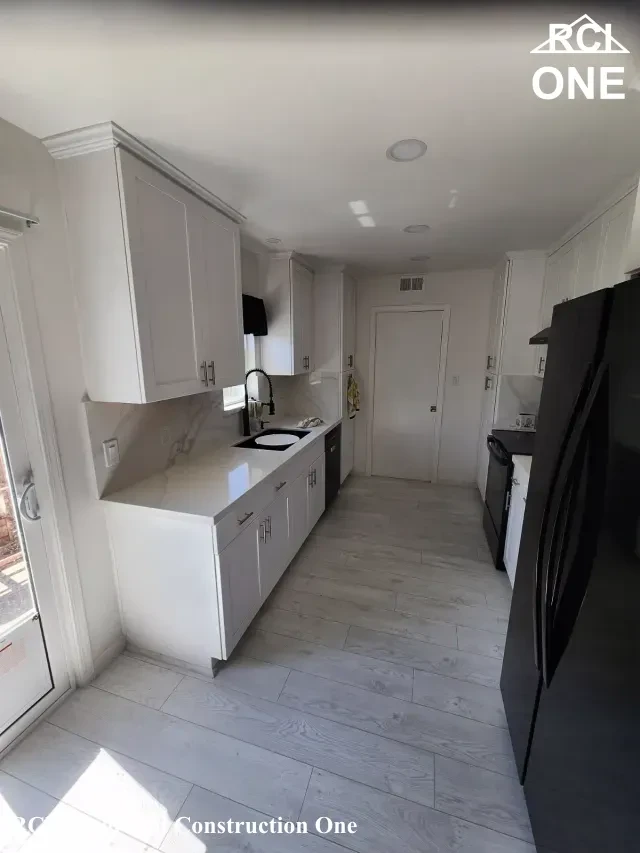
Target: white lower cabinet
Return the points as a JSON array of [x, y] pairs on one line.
[[239, 585], [517, 507], [189, 588], [316, 492], [297, 512], [273, 543]]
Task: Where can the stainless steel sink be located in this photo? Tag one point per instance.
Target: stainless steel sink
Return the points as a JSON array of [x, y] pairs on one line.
[[251, 442]]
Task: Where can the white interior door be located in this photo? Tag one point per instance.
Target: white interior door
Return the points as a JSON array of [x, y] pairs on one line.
[[25, 673], [408, 346]]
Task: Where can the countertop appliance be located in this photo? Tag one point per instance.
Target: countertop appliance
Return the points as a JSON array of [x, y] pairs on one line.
[[332, 447], [570, 675], [502, 445]]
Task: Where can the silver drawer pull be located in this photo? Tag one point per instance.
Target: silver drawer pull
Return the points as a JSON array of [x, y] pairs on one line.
[[241, 521], [280, 485]]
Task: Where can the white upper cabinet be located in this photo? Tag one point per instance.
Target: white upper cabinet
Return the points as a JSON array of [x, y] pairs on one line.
[[616, 226], [495, 318], [588, 257], [288, 347], [514, 312], [157, 277], [348, 322], [217, 255], [164, 292]]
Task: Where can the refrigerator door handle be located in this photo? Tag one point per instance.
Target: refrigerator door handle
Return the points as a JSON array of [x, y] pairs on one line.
[[595, 490], [539, 569]]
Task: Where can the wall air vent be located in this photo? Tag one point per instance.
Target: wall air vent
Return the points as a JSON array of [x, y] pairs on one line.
[[412, 282]]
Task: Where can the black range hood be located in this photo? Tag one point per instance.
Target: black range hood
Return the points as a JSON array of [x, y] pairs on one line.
[[541, 337], [254, 316]]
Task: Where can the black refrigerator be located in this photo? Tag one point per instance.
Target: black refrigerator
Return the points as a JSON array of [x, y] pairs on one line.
[[571, 673]]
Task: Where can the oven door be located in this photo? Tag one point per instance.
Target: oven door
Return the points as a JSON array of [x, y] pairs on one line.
[[498, 487]]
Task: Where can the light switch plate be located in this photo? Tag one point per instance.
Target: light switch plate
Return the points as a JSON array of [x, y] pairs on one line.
[[111, 452]]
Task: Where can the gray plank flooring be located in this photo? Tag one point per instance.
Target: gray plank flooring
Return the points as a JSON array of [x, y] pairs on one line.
[[367, 689]]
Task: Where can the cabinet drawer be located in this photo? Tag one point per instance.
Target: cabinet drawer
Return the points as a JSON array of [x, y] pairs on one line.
[[241, 515]]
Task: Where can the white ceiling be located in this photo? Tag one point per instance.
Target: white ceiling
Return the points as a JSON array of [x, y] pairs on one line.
[[288, 119]]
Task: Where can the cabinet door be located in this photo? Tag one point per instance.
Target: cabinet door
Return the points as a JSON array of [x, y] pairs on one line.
[[298, 513], [616, 224], [347, 447], [240, 585], [348, 323], [316, 491], [496, 313], [217, 289], [302, 318], [514, 529], [273, 544], [160, 246], [486, 423], [588, 257]]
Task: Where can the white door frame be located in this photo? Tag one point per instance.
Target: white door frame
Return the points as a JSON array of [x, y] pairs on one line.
[[63, 606], [383, 309]]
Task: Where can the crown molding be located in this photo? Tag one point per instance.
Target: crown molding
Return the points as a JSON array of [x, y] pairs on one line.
[[108, 134]]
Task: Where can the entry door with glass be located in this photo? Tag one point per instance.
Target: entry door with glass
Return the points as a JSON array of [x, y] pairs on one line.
[[25, 674]]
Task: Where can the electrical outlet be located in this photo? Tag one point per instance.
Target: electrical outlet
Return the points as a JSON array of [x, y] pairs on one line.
[[111, 452]]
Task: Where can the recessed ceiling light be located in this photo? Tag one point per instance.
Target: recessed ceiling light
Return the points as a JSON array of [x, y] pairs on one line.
[[360, 208], [274, 240], [420, 258], [367, 221], [416, 229], [406, 150]]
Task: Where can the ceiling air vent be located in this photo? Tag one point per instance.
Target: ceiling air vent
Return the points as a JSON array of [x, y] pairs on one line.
[[414, 282]]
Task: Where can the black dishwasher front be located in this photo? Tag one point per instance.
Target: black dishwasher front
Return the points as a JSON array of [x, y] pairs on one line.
[[332, 464]]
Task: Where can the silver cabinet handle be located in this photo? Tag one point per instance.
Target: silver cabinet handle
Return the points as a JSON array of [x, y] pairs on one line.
[[310, 478], [267, 526], [246, 517], [203, 368], [280, 485], [487, 383], [212, 371], [25, 508], [263, 532], [350, 361], [541, 362]]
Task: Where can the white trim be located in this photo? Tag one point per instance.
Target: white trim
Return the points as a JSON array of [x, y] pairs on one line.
[[108, 134], [35, 401], [446, 317]]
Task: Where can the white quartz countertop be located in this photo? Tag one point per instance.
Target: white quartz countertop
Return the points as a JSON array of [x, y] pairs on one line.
[[209, 483], [524, 463]]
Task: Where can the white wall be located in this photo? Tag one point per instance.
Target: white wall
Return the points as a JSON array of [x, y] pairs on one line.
[[468, 293], [28, 182]]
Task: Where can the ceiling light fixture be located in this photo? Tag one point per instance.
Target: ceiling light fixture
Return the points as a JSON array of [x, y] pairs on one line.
[[420, 258], [360, 208], [406, 150], [367, 221], [416, 229], [274, 240]]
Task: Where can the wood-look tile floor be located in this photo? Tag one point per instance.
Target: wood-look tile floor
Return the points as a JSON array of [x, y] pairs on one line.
[[366, 690]]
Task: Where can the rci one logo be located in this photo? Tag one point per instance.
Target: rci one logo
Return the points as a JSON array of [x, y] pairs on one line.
[[584, 35]]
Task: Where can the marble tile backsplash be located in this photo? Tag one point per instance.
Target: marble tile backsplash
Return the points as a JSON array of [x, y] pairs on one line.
[[516, 394], [152, 437], [310, 395]]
